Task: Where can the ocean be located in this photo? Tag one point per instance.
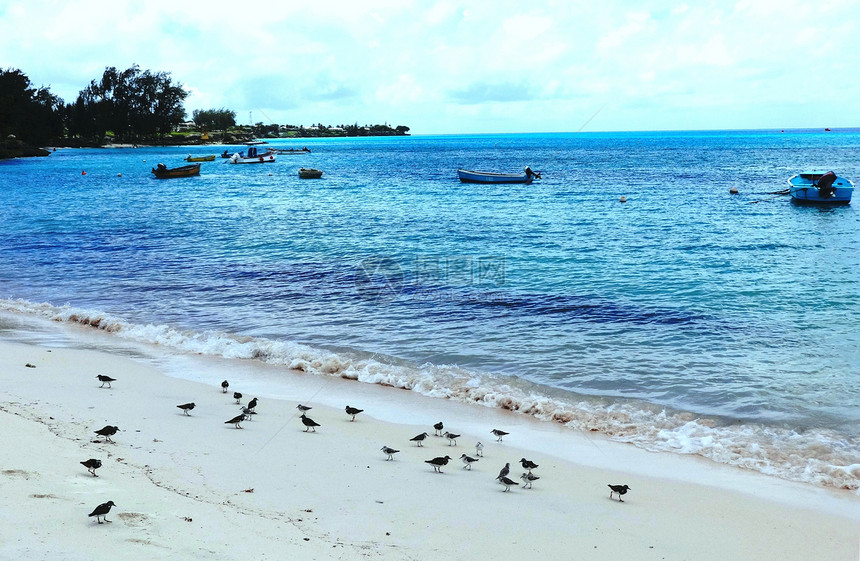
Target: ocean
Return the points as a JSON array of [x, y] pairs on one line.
[[685, 320]]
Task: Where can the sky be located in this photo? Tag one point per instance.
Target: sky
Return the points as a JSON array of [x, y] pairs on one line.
[[458, 67]]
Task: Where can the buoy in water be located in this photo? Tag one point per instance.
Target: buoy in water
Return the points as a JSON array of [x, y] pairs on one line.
[[83, 173], [623, 199], [119, 175], [733, 190]]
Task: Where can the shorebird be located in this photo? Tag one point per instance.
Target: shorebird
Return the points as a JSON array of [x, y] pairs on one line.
[[309, 423], [479, 449], [452, 438], [620, 489], [529, 478], [92, 465], [101, 511], [437, 463], [389, 451], [224, 385], [186, 407], [507, 482], [236, 420], [107, 431], [303, 408], [353, 411], [499, 433], [504, 471], [247, 412], [105, 380], [419, 438], [528, 464], [252, 405], [468, 461], [439, 426], [237, 396]]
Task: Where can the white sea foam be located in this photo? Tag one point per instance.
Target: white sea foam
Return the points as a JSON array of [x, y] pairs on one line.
[[820, 457]]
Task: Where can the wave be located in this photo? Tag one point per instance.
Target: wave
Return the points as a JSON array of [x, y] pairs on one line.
[[821, 457]]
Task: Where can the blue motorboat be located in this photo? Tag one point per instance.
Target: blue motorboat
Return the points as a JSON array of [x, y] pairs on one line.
[[468, 176], [820, 187]]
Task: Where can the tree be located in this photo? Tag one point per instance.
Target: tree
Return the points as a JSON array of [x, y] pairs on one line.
[[214, 119], [32, 115]]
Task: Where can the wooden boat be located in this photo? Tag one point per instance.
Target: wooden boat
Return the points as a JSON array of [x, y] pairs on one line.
[[820, 187], [253, 157], [191, 158], [310, 173], [469, 176], [288, 151], [163, 172]]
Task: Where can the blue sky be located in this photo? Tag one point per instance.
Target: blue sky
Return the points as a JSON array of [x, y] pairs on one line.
[[466, 67]]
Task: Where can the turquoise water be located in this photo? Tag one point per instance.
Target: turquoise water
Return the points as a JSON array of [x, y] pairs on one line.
[[685, 320]]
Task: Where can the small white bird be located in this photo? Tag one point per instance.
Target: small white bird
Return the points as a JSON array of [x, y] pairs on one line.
[[468, 461], [389, 451], [452, 438], [479, 449], [529, 478]]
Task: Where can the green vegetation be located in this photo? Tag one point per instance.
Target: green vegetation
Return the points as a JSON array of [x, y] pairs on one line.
[[131, 106]]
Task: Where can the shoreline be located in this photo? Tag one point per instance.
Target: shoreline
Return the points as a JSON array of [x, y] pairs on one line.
[[332, 494]]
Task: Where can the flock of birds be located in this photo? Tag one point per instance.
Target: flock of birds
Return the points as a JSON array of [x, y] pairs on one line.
[[528, 478]]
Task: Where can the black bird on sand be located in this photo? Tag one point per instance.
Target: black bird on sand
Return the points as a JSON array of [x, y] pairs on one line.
[[452, 438], [107, 431], [309, 423], [468, 461], [504, 471], [507, 482], [439, 426], [237, 396], [303, 408], [437, 463], [528, 464], [419, 438], [353, 411], [389, 451], [529, 478], [224, 385], [186, 407], [101, 511], [236, 420], [252, 405], [92, 465], [105, 380], [620, 489], [499, 433]]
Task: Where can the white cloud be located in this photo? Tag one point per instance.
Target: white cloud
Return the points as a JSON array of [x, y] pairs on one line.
[[470, 65]]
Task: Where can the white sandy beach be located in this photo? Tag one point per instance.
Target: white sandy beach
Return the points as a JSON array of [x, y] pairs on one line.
[[193, 487]]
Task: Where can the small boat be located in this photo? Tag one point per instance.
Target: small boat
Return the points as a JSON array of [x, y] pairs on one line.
[[468, 176], [191, 158], [820, 187], [253, 157], [254, 142], [288, 151], [163, 172], [310, 173]]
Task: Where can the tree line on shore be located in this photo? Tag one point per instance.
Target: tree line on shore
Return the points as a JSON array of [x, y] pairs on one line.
[[130, 106]]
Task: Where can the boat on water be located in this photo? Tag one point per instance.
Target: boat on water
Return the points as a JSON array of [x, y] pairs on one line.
[[288, 151], [253, 157], [191, 158], [820, 187], [310, 173], [161, 171], [469, 176]]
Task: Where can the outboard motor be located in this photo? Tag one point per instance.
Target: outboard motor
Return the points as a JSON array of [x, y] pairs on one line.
[[825, 185]]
